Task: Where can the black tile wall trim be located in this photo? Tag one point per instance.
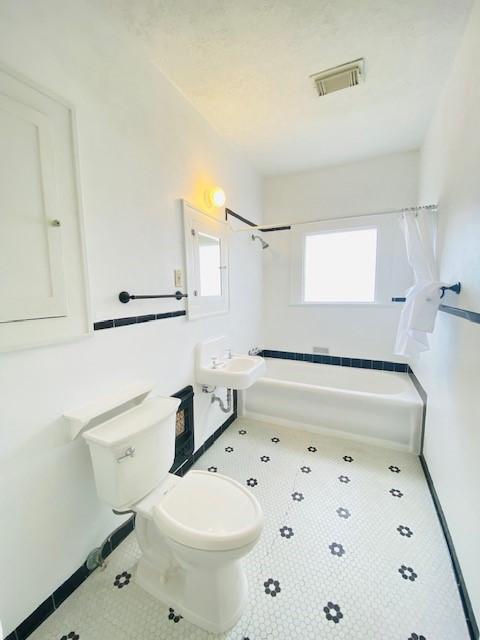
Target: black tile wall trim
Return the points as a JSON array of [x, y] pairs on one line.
[[361, 363], [472, 316], [462, 589], [121, 322], [53, 601]]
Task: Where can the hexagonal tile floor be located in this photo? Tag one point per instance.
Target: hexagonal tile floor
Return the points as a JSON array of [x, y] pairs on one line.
[[351, 550]]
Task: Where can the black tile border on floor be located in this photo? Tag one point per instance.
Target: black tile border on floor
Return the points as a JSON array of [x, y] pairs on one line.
[[50, 604], [359, 363], [122, 322], [462, 588]]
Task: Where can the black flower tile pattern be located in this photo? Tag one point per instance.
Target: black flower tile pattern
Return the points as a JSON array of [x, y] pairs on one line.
[[332, 612], [407, 573], [272, 587], [229, 449], [242, 432], [122, 579], [286, 532], [348, 458], [174, 617], [394, 469], [265, 459], [308, 545], [311, 449], [336, 549], [343, 513], [405, 531]]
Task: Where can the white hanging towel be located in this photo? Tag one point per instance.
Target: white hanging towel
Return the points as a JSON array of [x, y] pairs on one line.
[[423, 299]]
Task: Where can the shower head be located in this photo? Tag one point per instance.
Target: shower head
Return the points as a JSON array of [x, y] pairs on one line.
[[264, 244]]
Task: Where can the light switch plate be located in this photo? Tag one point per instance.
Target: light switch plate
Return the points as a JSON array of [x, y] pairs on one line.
[[178, 275]]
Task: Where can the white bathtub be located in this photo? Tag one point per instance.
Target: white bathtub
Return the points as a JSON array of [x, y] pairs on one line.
[[380, 407]]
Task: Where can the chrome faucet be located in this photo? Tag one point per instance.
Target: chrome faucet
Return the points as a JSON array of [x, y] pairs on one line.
[[228, 354]]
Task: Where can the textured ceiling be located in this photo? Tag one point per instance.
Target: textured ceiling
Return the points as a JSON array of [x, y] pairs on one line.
[[245, 65]]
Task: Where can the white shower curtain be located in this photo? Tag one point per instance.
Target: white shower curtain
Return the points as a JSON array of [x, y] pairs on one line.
[[420, 310]]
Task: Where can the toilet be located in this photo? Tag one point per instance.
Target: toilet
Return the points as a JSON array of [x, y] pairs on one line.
[[193, 532]]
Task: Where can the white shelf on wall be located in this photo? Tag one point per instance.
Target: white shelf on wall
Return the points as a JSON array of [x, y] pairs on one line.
[[90, 415]]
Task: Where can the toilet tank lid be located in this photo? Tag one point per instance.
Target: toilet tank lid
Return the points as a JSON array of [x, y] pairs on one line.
[[121, 428]]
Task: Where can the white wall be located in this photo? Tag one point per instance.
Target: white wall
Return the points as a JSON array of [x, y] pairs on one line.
[[383, 183], [142, 147], [450, 165]]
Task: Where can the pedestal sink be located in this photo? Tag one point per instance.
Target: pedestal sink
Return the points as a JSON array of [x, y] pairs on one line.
[[215, 365]]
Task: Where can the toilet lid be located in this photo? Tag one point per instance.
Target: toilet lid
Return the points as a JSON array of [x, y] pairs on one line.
[[209, 511]]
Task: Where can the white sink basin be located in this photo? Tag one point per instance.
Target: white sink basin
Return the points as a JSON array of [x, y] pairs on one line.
[[237, 372]]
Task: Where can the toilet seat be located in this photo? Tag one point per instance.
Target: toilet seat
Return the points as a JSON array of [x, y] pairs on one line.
[[210, 512]]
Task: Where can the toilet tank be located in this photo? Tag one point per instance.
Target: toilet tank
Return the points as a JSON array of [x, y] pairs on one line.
[[133, 452]]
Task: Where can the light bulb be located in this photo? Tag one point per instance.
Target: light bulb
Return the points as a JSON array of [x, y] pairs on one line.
[[215, 197]]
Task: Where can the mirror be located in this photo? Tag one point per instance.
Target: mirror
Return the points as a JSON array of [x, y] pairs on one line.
[[206, 259], [209, 258]]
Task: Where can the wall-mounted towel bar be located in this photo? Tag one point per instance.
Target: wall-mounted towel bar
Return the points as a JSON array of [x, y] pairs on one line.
[[456, 288], [125, 297]]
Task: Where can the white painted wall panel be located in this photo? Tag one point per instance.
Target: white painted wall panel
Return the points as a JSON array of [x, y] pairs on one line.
[[374, 185], [142, 147], [450, 163]]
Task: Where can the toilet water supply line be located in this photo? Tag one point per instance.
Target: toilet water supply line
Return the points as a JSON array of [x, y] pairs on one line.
[[95, 557]]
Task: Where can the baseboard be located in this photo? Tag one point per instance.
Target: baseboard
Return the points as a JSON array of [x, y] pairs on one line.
[[462, 589], [326, 431], [50, 604]]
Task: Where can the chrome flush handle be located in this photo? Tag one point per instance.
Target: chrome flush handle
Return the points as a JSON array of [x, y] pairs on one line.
[[128, 453]]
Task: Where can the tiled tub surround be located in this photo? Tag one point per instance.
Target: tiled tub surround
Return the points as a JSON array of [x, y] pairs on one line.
[[352, 549], [381, 407], [339, 361]]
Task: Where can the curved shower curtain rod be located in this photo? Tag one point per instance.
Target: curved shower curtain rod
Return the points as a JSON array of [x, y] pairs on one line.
[[284, 226]]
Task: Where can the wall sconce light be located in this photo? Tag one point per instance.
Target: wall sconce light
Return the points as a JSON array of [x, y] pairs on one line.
[[215, 197]]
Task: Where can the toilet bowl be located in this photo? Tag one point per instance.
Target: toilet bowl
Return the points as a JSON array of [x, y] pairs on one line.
[[193, 533]]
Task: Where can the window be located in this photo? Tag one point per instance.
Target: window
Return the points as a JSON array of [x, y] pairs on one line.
[[340, 266], [348, 261]]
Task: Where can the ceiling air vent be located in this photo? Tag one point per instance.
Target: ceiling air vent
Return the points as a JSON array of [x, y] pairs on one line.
[[345, 75]]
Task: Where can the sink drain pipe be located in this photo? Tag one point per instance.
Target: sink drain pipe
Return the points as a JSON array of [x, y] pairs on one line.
[[225, 408]]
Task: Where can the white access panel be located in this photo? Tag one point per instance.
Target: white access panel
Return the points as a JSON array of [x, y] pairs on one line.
[[31, 266], [43, 281]]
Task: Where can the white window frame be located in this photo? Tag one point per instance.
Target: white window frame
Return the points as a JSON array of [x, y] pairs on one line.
[[384, 262], [196, 221]]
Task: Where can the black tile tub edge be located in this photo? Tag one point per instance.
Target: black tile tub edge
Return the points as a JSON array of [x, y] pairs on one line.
[[48, 606], [462, 588], [423, 396], [121, 322], [339, 361]]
